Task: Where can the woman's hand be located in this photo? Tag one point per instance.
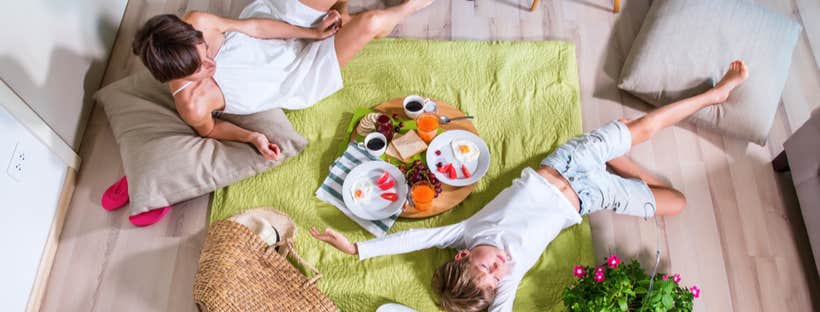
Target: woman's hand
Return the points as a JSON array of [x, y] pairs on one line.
[[268, 150], [335, 239], [329, 25]]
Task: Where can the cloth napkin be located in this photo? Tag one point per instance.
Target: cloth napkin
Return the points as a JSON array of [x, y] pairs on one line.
[[331, 189]]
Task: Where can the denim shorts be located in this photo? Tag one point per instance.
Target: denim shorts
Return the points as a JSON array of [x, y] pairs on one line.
[[582, 162]]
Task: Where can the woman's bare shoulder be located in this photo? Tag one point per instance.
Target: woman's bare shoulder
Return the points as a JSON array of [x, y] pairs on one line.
[[199, 19], [207, 22], [191, 109]]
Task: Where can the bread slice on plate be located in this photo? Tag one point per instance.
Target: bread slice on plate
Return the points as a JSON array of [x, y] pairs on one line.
[[409, 145]]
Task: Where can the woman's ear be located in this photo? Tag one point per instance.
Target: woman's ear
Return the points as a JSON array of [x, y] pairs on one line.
[[462, 253]]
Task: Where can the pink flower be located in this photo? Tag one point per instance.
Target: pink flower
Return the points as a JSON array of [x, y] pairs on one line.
[[599, 277], [665, 277], [676, 278], [600, 269], [695, 291], [613, 261], [579, 271]]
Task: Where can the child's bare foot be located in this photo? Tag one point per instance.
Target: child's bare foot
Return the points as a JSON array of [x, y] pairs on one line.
[[736, 75]]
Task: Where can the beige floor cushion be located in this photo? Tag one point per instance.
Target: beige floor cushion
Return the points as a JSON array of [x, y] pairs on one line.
[[685, 46], [165, 161]]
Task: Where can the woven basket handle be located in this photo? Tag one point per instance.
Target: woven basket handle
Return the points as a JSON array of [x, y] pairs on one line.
[[290, 250]]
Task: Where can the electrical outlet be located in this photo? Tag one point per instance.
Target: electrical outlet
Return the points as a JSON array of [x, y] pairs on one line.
[[17, 164]]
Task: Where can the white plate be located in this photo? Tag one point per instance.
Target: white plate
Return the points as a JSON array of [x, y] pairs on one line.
[[478, 167], [378, 208]]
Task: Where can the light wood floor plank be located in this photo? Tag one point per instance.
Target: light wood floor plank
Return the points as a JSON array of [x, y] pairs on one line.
[[808, 11]]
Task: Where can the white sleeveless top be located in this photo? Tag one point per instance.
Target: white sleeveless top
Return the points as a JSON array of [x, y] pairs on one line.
[[261, 74]]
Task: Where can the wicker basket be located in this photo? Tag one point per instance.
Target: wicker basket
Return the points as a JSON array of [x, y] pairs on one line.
[[239, 272]]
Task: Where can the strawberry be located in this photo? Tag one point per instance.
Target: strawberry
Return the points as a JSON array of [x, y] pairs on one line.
[[383, 179], [466, 172], [390, 196], [386, 186], [452, 172]]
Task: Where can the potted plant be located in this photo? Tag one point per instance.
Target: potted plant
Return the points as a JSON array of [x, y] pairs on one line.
[[615, 287]]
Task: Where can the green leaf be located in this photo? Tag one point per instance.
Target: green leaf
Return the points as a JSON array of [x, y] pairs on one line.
[[622, 304], [667, 301]]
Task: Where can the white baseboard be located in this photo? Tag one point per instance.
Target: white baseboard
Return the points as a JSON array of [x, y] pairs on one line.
[[50, 249]]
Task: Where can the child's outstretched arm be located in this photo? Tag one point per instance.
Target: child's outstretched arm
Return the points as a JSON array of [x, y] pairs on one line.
[[396, 243], [335, 239]]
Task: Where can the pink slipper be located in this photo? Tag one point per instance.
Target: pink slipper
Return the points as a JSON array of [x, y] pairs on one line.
[[149, 217], [115, 196]]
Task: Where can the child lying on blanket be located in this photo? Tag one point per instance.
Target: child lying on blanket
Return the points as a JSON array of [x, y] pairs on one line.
[[503, 240]]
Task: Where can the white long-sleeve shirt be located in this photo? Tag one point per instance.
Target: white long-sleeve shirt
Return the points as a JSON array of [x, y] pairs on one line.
[[522, 220]]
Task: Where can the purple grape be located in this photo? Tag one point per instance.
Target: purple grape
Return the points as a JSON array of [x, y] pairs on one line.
[[401, 124], [395, 116], [439, 164]]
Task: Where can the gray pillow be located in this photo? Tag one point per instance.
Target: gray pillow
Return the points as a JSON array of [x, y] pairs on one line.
[[685, 46], [165, 161]]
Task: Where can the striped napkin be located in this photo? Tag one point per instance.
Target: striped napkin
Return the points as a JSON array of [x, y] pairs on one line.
[[331, 189]]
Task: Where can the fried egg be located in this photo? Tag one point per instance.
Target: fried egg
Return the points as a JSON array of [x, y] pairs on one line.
[[464, 150], [362, 191]]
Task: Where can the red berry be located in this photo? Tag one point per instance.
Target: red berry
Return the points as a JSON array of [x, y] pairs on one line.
[[438, 152], [395, 116]]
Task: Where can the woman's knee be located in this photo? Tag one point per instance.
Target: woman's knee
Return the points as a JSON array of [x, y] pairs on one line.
[[371, 21]]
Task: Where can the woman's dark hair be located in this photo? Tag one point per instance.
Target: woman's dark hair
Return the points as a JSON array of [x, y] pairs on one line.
[[167, 47]]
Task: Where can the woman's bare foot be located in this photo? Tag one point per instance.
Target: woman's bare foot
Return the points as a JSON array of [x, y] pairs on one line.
[[737, 74], [341, 7], [416, 5], [410, 7]]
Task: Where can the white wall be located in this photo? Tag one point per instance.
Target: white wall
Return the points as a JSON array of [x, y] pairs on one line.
[[53, 54], [26, 209]]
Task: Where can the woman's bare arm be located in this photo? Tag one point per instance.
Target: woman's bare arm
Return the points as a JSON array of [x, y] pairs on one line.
[[206, 126], [263, 28]]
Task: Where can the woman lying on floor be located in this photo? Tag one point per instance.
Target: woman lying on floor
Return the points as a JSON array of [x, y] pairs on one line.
[[278, 54]]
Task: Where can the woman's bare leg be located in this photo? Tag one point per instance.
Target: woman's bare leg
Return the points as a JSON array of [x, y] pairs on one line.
[[646, 126], [365, 26], [320, 5]]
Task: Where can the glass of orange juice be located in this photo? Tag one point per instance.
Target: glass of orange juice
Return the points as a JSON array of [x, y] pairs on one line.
[[422, 193], [427, 126]]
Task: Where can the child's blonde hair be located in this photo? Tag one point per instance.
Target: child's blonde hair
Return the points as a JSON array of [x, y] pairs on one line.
[[458, 289]]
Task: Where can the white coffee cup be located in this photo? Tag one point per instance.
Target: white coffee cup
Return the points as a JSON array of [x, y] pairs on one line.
[[413, 114], [370, 139]]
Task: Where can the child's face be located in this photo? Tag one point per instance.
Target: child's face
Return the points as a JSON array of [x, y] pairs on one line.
[[487, 263]]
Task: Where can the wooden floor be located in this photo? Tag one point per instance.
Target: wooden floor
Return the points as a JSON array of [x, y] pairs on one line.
[[741, 239]]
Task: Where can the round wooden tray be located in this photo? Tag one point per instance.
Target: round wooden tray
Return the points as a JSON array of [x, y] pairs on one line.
[[450, 196]]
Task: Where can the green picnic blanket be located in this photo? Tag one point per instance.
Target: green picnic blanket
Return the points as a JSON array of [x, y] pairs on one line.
[[525, 97]]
